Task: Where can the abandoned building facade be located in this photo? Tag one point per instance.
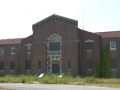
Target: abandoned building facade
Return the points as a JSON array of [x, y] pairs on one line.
[[57, 46]]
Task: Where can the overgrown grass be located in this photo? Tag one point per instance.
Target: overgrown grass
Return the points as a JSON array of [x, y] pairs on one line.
[[66, 79]]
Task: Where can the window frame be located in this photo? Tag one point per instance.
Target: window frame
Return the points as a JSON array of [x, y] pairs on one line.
[[28, 49], [28, 66], [39, 65], [91, 46], [111, 48], [1, 50], [1, 66], [52, 43], [12, 63], [12, 49], [69, 64], [91, 63], [113, 65], [89, 41]]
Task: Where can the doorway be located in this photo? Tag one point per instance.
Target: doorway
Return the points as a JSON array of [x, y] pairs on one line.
[[55, 67]]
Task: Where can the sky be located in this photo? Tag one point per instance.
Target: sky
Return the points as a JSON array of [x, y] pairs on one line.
[[18, 16]]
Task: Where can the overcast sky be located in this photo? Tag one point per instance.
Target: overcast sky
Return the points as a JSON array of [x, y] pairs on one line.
[[17, 16]]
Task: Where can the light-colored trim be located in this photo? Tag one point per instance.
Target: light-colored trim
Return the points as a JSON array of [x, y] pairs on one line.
[[28, 70], [12, 53], [110, 45], [113, 69], [50, 58], [69, 69], [89, 40], [28, 44], [28, 52], [112, 48], [89, 50]]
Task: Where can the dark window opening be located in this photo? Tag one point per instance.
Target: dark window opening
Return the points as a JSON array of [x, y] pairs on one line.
[[89, 64], [69, 64], [39, 64], [27, 65], [113, 63], [89, 45], [1, 65], [54, 46], [12, 65]]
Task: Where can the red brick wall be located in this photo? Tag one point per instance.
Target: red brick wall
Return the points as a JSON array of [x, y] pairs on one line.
[[94, 54], [70, 50], [24, 56], [8, 57], [114, 53]]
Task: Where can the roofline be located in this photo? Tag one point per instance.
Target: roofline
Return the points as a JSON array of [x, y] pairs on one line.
[[56, 16]]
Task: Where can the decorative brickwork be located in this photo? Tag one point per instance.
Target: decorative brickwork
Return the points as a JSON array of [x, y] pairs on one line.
[[54, 56]]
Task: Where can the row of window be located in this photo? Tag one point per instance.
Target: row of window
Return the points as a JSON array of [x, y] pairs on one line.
[[13, 50], [89, 45], [90, 64], [2, 50], [12, 65], [28, 65]]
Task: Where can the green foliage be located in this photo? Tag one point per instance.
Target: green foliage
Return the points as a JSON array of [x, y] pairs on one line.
[[102, 69], [66, 79], [97, 70], [105, 62], [90, 79]]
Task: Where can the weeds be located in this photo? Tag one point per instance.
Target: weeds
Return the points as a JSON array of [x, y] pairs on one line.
[[66, 79]]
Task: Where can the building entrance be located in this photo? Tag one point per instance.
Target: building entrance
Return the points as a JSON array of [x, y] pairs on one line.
[[55, 67]]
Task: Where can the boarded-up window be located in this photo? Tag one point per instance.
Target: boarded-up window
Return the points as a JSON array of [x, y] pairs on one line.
[[69, 64], [114, 63], [89, 64], [1, 65], [39, 64], [54, 46], [12, 65], [89, 45], [27, 65]]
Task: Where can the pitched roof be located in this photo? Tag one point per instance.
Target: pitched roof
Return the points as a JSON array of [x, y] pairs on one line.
[[11, 41], [111, 34]]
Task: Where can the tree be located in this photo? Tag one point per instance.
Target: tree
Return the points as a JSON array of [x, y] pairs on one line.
[[105, 62], [97, 70], [102, 68]]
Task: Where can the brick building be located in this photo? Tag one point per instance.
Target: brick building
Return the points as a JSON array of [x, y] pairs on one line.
[[57, 46]]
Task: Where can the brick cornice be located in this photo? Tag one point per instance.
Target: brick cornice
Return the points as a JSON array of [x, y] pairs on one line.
[[55, 18]]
